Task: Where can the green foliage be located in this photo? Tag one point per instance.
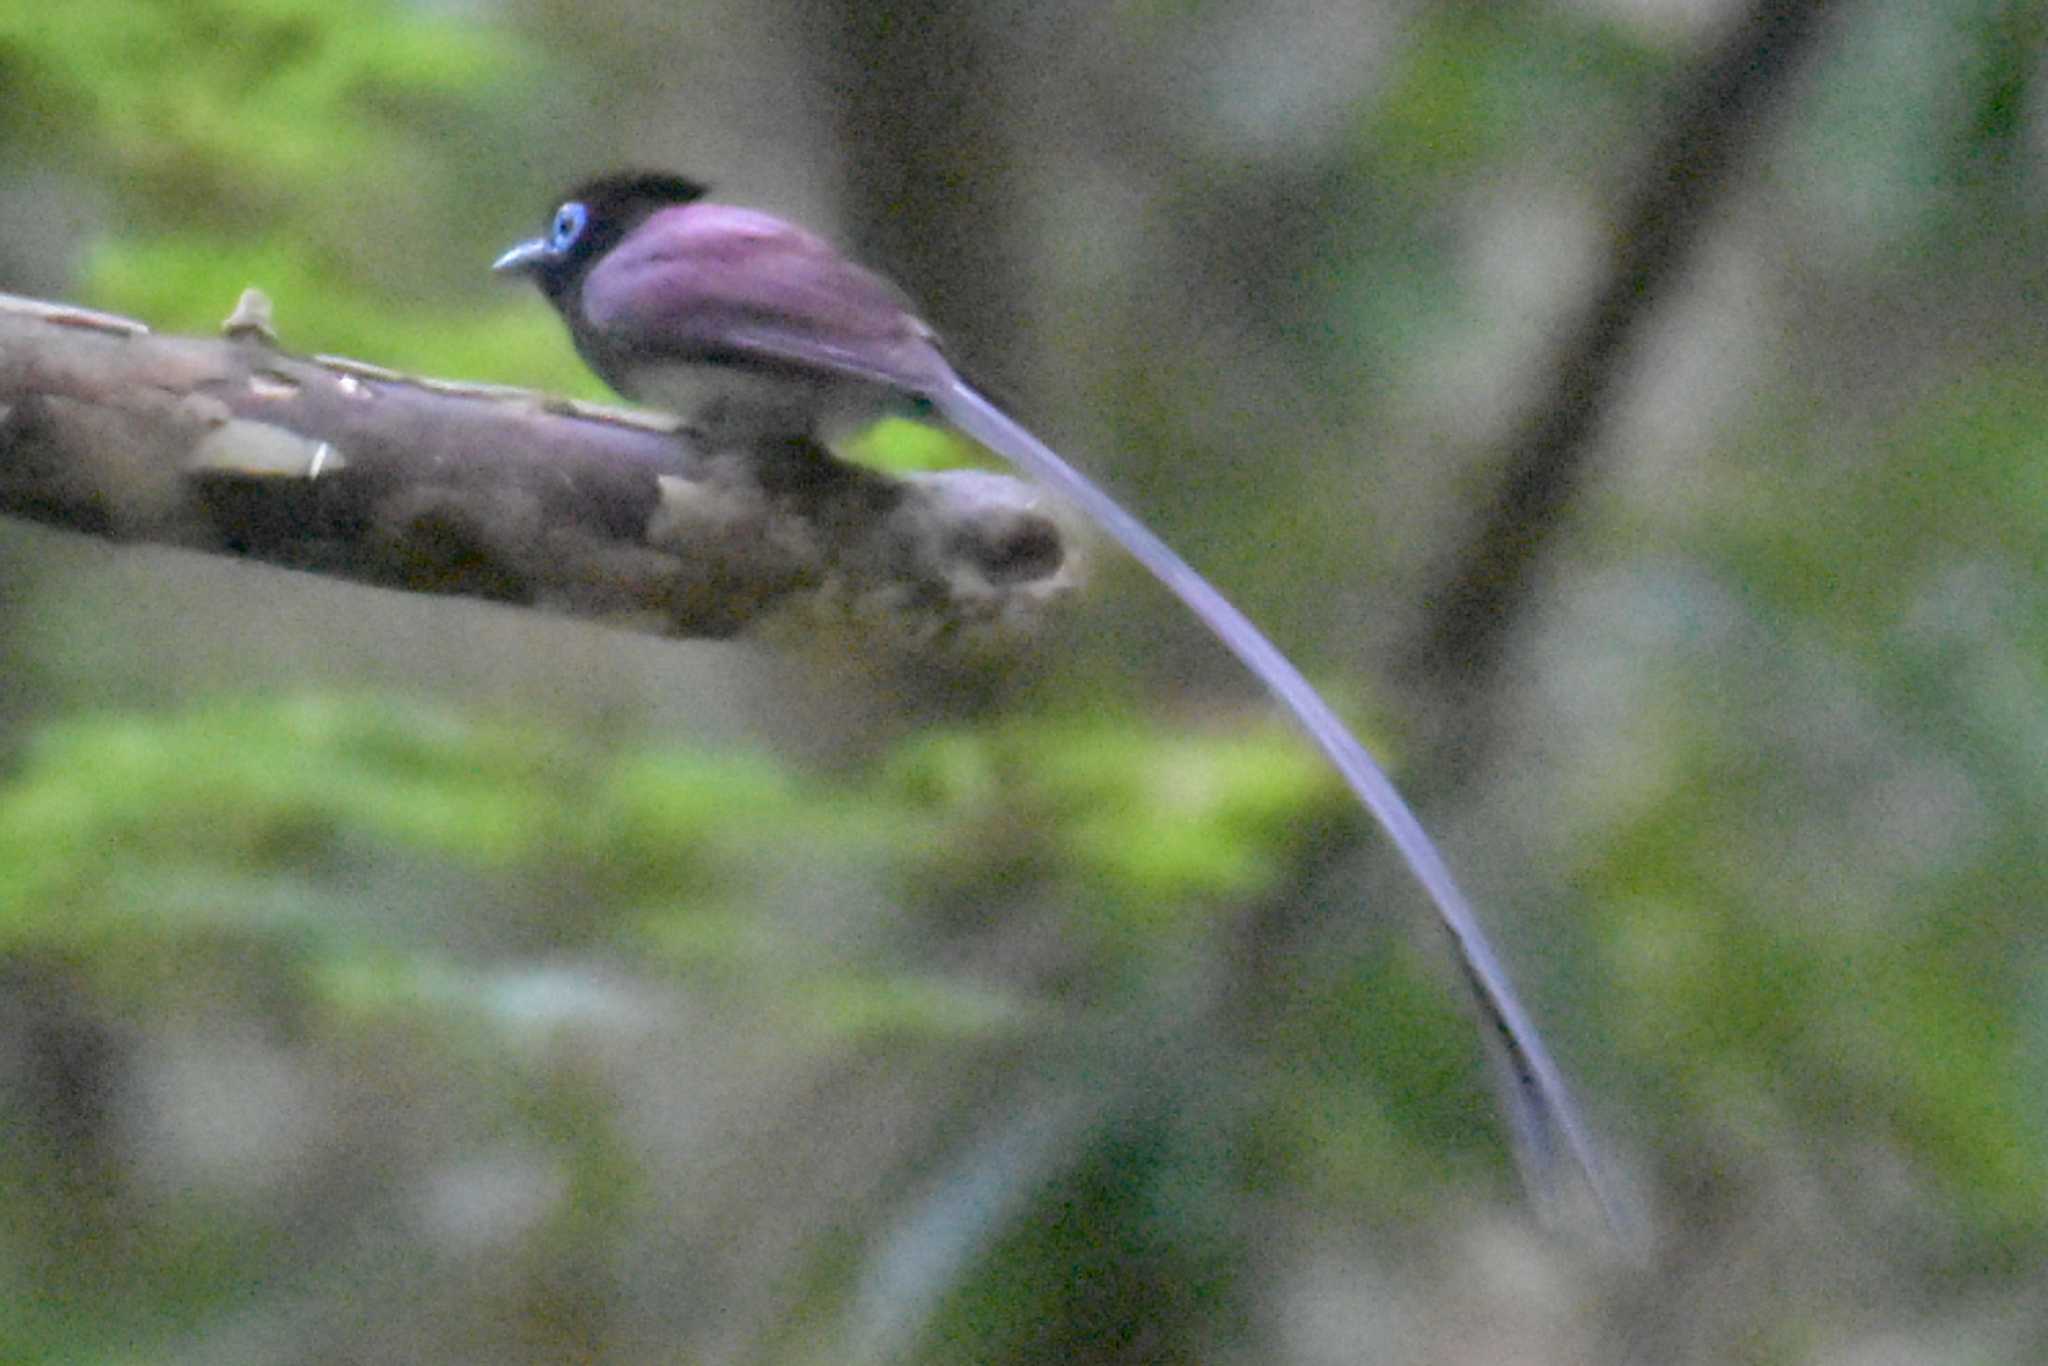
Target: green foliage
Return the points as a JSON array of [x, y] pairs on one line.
[[1870, 968], [213, 105], [188, 281], [306, 859], [289, 145], [1902, 522], [1111, 1264], [905, 447], [1482, 83], [1373, 1101], [120, 830], [1140, 826]]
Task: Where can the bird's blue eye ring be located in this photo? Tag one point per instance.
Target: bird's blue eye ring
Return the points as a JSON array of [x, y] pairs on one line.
[[569, 222]]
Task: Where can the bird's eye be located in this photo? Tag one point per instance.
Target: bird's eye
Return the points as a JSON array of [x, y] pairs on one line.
[[569, 221]]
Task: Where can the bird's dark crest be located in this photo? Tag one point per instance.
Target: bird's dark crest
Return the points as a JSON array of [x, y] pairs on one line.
[[625, 193]]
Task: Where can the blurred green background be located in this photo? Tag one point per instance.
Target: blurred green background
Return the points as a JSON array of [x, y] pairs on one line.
[[402, 980]]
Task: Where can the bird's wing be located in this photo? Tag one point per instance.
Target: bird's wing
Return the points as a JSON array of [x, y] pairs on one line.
[[718, 283]]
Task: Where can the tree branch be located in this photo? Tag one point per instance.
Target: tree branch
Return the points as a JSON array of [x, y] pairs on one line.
[[1720, 118], [334, 467]]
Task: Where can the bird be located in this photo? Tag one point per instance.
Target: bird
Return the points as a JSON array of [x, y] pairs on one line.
[[748, 327]]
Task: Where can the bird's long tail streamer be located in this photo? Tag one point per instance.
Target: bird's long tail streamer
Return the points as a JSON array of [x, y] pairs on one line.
[[1548, 1129]]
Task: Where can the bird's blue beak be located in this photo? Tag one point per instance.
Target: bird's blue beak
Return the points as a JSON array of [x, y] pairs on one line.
[[526, 256]]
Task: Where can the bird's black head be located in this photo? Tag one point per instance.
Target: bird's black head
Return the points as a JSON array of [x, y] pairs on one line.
[[590, 222]]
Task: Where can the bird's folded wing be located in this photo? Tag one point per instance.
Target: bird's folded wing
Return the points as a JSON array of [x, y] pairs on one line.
[[718, 283]]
